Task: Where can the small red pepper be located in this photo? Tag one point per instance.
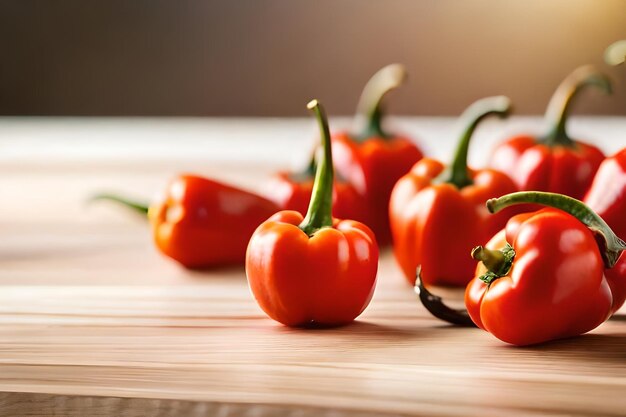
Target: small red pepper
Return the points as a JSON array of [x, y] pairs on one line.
[[202, 223], [292, 191], [555, 162], [372, 159], [549, 274], [317, 270], [435, 210], [616, 277], [607, 195]]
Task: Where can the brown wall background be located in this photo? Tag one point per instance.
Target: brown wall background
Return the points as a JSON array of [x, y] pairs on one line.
[[269, 57]]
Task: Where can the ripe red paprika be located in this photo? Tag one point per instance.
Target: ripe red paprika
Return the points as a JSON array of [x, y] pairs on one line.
[[316, 270], [555, 162], [607, 195], [549, 274], [435, 210], [201, 223], [371, 158]]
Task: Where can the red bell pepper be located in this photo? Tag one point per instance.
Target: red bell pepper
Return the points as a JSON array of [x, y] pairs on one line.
[[371, 158], [607, 195], [434, 210], [292, 191], [616, 277], [316, 270], [555, 162], [544, 277], [202, 223]]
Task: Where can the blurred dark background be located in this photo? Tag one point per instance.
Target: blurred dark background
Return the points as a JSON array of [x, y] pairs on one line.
[[269, 57]]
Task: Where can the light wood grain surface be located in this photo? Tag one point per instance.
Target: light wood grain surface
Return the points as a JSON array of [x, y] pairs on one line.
[[94, 322]]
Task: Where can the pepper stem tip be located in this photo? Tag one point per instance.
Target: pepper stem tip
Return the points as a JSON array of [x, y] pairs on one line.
[[435, 305], [477, 252], [136, 206], [494, 260], [615, 54]]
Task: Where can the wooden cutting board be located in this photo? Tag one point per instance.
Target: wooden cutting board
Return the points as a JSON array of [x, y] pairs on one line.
[[94, 322]]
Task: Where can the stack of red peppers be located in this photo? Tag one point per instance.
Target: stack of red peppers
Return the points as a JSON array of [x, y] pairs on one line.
[[368, 162], [311, 251]]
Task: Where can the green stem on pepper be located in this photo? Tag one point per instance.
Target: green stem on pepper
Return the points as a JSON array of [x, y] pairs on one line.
[[611, 246], [561, 102], [369, 113], [615, 54], [140, 208], [497, 262], [457, 174], [319, 214]]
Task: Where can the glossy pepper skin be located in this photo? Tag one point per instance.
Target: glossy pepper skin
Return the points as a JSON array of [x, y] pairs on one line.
[[545, 277], [434, 210], [292, 191], [201, 223], [616, 277], [372, 159], [555, 162], [607, 195], [316, 270]]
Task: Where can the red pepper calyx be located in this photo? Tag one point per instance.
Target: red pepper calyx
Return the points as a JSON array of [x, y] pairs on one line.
[[615, 54], [561, 102], [369, 113], [457, 173], [319, 214], [497, 262], [609, 244], [140, 208]]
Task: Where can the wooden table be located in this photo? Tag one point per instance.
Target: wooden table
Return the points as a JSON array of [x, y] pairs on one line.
[[94, 322]]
